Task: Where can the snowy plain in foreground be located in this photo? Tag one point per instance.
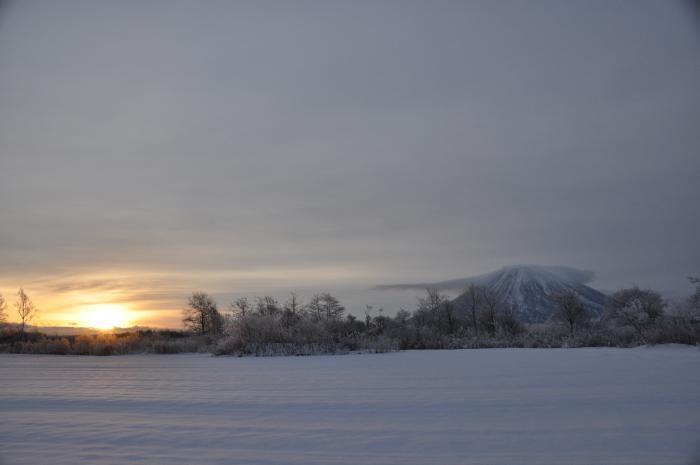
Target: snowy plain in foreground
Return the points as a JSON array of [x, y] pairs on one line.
[[499, 406]]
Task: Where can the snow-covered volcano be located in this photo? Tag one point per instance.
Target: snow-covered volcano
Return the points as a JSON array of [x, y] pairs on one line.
[[527, 288]]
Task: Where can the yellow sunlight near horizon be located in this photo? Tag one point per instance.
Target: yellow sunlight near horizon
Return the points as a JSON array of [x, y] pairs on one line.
[[105, 316]]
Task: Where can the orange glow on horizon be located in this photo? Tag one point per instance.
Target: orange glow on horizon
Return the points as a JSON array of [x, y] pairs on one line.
[[152, 297], [105, 316]]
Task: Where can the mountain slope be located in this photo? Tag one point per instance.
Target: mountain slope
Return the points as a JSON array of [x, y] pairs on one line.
[[527, 288]]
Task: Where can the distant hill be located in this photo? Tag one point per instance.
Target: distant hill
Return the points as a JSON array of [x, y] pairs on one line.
[[526, 287]]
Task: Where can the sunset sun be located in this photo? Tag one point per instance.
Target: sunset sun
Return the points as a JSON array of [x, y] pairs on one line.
[[106, 316]]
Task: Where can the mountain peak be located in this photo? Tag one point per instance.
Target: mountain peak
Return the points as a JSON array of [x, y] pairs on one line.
[[528, 289], [525, 287]]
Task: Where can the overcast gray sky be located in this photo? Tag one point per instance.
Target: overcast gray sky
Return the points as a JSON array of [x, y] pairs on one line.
[[148, 149]]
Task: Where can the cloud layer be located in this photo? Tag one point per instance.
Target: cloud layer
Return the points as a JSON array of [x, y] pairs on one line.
[[361, 142]]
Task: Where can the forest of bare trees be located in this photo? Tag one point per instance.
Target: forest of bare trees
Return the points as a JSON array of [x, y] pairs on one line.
[[632, 317]]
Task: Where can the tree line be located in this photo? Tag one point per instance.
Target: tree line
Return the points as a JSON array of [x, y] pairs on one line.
[[632, 316], [265, 326]]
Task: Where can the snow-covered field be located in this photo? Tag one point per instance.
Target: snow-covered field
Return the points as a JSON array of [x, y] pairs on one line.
[[501, 406]]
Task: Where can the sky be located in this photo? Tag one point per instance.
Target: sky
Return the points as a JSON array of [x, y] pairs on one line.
[[151, 149]]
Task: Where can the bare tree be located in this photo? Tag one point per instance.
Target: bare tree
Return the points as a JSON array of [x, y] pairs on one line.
[[267, 305], [25, 308], [325, 307], [432, 300], [240, 307], [332, 307], [368, 316], [3, 310], [473, 294], [429, 306], [293, 305], [381, 322], [449, 313], [201, 315], [508, 323], [315, 307], [639, 309], [492, 309], [694, 300], [402, 317], [569, 310], [436, 310], [292, 310]]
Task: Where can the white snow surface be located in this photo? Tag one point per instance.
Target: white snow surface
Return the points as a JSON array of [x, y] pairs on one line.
[[498, 406]]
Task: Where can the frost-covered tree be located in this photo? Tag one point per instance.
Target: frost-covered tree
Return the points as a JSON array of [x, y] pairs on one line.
[[293, 305], [474, 295], [569, 310], [25, 308], [368, 316], [429, 308], [332, 308], [240, 307], [292, 310], [325, 307], [201, 315], [508, 323], [687, 312], [436, 311], [640, 309], [432, 301], [267, 305], [492, 308], [694, 300], [315, 307], [402, 317], [449, 316]]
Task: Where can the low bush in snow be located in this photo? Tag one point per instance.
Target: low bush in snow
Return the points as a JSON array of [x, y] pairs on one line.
[[138, 342]]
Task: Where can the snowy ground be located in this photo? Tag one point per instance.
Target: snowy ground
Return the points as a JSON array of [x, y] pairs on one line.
[[502, 406]]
